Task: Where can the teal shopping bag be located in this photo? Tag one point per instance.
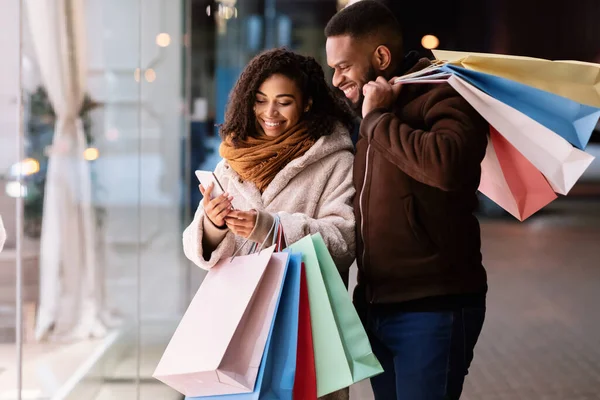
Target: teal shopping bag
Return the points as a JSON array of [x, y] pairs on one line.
[[343, 355]]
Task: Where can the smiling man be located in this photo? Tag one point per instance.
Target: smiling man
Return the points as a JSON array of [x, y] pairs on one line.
[[421, 286]]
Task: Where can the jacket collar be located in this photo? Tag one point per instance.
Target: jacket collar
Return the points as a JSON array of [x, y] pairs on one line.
[[410, 63]]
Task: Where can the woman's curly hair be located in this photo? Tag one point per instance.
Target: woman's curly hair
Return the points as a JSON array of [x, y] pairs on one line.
[[327, 108]]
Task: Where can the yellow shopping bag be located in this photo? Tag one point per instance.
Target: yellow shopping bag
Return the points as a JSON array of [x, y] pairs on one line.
[[578, 81]]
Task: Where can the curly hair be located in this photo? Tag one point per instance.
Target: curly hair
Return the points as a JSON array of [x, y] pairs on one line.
[[327, 108]]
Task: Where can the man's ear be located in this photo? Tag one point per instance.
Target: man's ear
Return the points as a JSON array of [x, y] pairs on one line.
[[382, 58]]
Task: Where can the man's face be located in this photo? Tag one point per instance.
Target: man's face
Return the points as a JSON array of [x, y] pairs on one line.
[[351, 60]]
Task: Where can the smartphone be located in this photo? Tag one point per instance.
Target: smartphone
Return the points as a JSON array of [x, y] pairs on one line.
[[208, 177]]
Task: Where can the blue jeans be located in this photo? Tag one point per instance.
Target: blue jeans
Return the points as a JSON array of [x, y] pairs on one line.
[[425, 355]]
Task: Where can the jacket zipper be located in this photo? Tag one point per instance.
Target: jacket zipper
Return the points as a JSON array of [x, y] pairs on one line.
[[360, 203]]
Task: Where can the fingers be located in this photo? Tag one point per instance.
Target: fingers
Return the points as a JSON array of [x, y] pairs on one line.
[[221, 203], [240, 219], [206, 192], [218, 208], [244, 221], [217, 201], [242, 232], [221, 215], [369, 88], [241, 223], [239, 227], [380, 84], [239, 214]]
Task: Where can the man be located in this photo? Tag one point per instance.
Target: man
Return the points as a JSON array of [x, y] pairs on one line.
[[421, 286]]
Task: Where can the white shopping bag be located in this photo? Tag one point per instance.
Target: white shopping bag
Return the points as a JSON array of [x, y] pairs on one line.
[[560, 162]]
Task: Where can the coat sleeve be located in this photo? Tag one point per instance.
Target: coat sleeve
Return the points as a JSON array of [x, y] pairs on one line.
[[443, 155]]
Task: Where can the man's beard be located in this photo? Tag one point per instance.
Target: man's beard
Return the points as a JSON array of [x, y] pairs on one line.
[[357, 107]]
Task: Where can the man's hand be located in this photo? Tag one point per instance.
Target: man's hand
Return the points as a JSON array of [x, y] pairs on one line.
[[242, 223], [379, 94]]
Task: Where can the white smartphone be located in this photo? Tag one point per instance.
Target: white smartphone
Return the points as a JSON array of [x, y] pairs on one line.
[[208, 177]]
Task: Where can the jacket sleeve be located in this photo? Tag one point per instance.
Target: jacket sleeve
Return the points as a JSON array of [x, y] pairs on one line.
[[334, 216], [194, 239], [443, 155]]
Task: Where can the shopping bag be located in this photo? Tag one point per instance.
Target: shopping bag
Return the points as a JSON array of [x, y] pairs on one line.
[[219, 343], [578, 81], [305, 384], [357, 347], [277, 369], [280, 372], [572, 121], [343, 355], [560, 163], [511, 181]]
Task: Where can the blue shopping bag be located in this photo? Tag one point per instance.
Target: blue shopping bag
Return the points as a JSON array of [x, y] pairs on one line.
[[275, 379], [573, 121]]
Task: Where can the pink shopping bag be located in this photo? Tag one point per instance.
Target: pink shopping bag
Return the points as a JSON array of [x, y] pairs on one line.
[[511, 181], [218, 345]]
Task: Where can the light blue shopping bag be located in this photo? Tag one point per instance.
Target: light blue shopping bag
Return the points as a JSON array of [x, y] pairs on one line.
[[573, 121]]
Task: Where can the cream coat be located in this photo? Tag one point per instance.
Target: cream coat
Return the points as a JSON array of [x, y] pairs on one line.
[[311, 194]]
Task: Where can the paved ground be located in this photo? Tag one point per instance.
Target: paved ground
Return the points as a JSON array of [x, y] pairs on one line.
[[541, 340], [542, 337]]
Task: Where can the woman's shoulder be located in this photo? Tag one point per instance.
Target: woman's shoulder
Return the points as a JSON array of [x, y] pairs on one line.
[[342, 158], [337, 144]]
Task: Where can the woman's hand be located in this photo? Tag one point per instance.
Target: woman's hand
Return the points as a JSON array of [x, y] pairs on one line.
[[242, 223], [217, 209]]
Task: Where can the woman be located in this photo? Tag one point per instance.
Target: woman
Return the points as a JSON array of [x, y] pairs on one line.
[[287, 153]]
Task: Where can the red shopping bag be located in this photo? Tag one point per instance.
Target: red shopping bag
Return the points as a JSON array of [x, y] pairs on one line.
[[305, 384], [512, 181]]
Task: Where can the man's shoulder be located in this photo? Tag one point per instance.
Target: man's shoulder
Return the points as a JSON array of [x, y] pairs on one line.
[[420, 65], [429, 94]]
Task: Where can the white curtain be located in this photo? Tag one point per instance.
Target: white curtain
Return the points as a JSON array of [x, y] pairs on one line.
[[2, 234], [70, 303]]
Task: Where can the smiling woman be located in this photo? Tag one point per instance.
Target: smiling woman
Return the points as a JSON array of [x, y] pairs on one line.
[[278, 105], [287, 154], [276, 84]]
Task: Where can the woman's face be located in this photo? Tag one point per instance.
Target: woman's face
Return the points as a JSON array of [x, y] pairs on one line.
[[278, 105]]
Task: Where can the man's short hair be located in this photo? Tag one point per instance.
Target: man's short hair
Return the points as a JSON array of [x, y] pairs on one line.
[[367, 19]]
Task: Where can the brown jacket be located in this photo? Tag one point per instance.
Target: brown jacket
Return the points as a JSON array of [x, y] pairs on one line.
[[416, 173]]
